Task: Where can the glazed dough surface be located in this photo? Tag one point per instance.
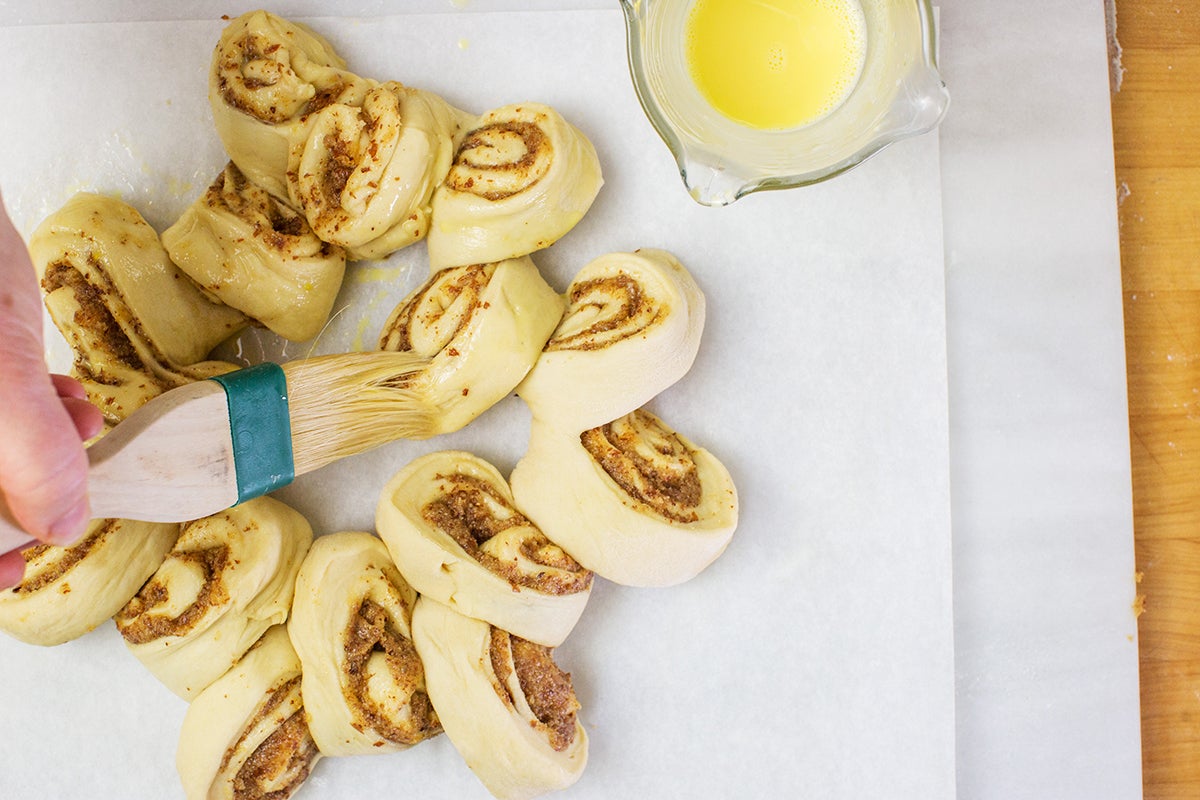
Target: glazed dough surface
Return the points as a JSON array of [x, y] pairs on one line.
[[252, 252], [365, 172], [364, 686], [228, 578], [521, 179], [451, 525], [632, 500], [632, 328], [481, 326], [267, 79], [245, 737], [165, 314], [506, 706], [69, 591]]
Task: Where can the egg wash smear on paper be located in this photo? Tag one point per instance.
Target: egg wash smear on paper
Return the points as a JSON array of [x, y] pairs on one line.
[[775, 64]]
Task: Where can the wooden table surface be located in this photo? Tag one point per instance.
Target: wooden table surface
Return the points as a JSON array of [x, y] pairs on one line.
[[1156, 129]]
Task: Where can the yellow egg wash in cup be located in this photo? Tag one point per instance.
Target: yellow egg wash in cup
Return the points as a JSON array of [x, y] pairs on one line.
[[775, 64], [750, 95]]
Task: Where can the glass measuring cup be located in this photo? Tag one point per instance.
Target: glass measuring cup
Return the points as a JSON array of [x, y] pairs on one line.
[[899, 94]]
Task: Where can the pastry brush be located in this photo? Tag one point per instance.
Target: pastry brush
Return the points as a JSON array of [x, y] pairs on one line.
[[203, 447]]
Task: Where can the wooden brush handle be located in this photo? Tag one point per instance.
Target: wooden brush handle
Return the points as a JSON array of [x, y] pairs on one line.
[[171, 461]]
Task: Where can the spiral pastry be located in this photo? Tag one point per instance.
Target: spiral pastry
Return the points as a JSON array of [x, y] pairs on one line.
[[228, 578], [632, 328], [450, 523], [118, 380], [364, 686], [521, 179], [257, 255], [68, 591], [631, 500], [365, 173], [135, 324], [482, 328], [105, 273], [509, 710], [268, 77], [245, 737]]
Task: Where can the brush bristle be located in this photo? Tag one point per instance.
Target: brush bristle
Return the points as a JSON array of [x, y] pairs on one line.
[[345, 404]]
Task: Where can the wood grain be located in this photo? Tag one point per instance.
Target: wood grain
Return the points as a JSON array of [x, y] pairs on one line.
[[1156, 131], [172, 460]]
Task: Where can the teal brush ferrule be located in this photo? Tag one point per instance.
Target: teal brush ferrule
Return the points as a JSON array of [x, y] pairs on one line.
[[261, 429]]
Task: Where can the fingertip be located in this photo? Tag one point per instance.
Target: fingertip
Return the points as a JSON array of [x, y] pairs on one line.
[[66, 386], [87, 418], [12, 569], [71, 526]]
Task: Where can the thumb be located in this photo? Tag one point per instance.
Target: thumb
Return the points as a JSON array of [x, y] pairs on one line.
[[43, 468]]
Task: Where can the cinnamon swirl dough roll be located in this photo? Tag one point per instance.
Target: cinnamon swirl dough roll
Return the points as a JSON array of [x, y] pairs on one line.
[[632, 500], [632, 328], [365, 173], [509, 710], [450, 523], [228, 578], [364, 686], [245, 737], [521, 179], [267, 78], [68, 591], [257, 255], [482, 327], [134, 323], [118, 376], [119, 258]]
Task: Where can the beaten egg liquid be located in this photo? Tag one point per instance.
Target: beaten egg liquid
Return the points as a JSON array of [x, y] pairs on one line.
[[775, 64]]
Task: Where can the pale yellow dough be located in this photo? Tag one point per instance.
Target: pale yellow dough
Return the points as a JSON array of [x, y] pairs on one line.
[[451, 525], [522, 178], [228, 578], [163, 313], [365, 172], [632, 328], [68, 591], [137, 325], [253, 253], [488, 716], [267, 79], [364, 687], [248, 729], [481, 327], [633, 500]]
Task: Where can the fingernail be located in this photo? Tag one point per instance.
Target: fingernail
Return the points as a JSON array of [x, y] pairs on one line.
[[70, 526]]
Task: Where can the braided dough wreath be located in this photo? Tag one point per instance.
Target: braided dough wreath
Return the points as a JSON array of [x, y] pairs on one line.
[[326, 166]]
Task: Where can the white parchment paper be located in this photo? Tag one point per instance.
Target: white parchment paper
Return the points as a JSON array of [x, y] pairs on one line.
[[815, 658]]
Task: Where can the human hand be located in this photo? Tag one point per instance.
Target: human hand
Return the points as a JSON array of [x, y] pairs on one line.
[[43, 466]]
